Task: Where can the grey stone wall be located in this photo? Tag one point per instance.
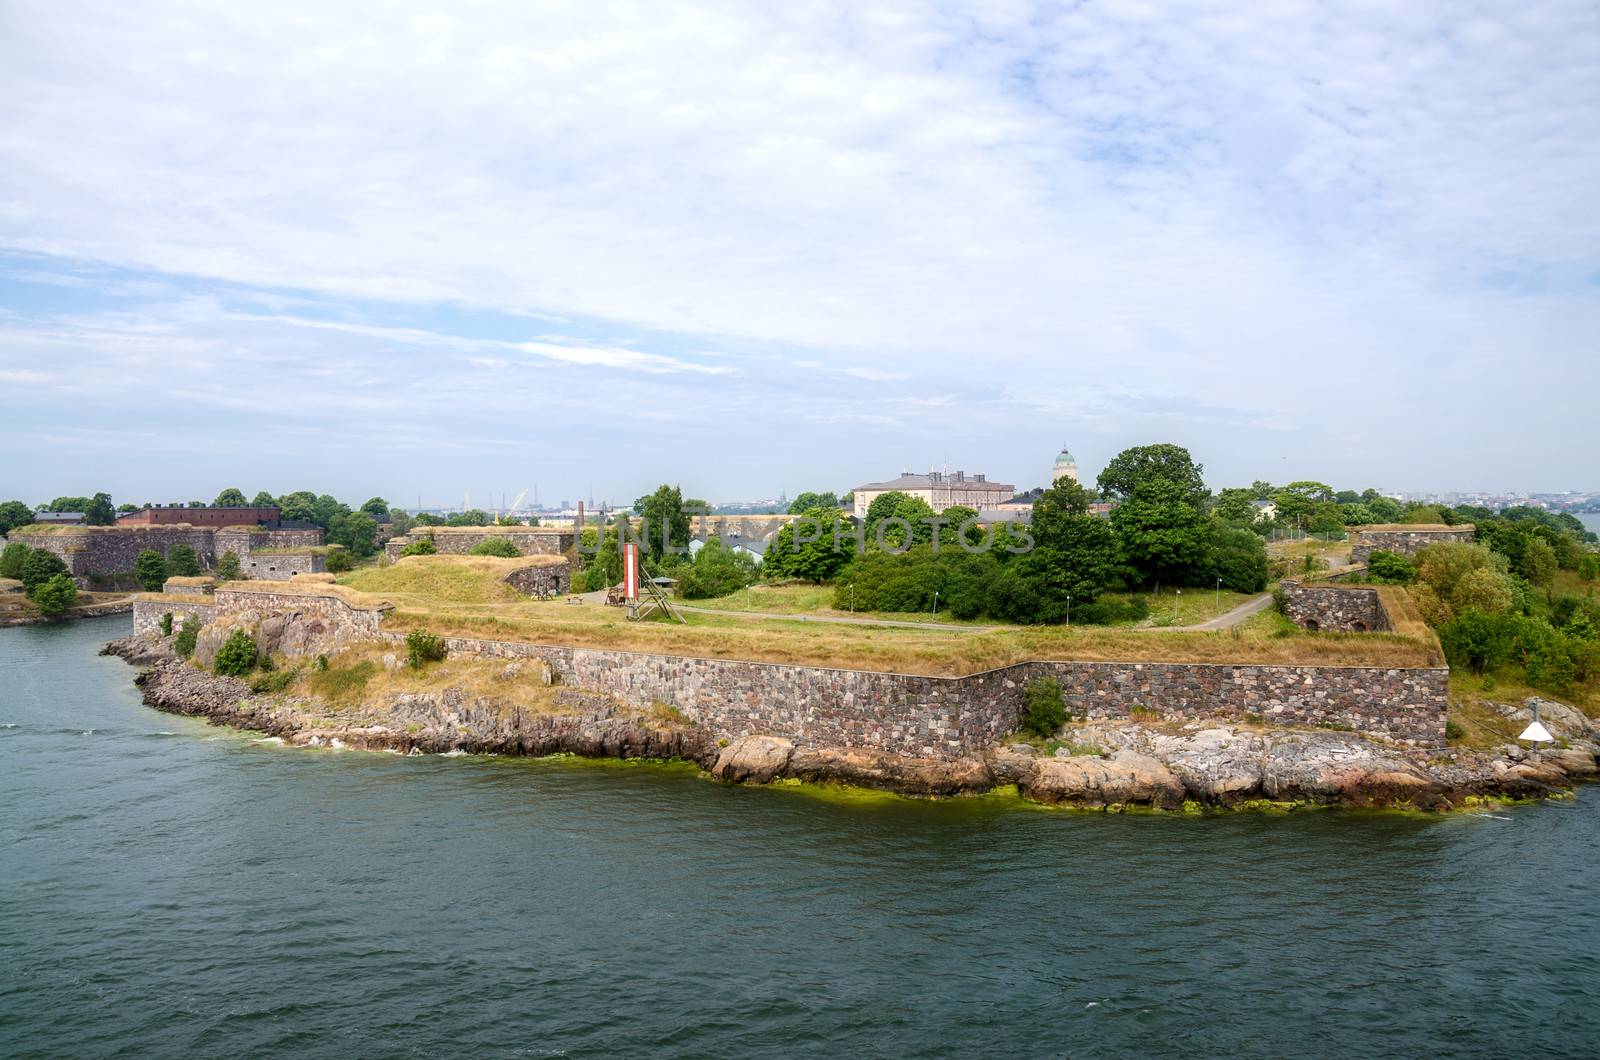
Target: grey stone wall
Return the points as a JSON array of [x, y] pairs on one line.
[[281, 566], [114, 550], [1405, 541], [1335, 608], [189, 586], [458, 541], [538, 581], [147, 612]]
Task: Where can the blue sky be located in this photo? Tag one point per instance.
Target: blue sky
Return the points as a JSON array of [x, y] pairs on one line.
[[595, 246]]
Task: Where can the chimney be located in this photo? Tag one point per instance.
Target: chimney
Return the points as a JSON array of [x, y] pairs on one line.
[[979, 478], [961, 476]]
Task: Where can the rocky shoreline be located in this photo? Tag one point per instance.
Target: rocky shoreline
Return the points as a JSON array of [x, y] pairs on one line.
[[1101, 765]]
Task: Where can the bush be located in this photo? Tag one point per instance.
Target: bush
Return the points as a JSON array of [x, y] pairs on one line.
[[495, 546], [1105, 612], [183, 643], [237, 656], [338, 561], [423, 546], [1588, 567], [1478, 641], [423, 648], [38, 568], [166, 624], [1391, 568], [1042, 710], [228, 567], [716, 571], [273, 681], [1453, 730], [182, 561], [150, 570], [12, 559], [55, 596]]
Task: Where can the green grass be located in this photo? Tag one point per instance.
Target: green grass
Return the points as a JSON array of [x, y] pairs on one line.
[[343, 683], [438, 579]]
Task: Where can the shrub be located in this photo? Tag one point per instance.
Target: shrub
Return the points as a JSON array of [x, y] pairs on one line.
[[1453, 730], [1487, 590], [237, 656], [1105, 612], [1391, 568], [12, 559], [228, 567], [423, 648], [422, 546], [1042, 710], [1588, 567], [273, 681], [55, 596], [40, 567], [150, 570], [183, 643], [338, 560], [495, 546], [182, 561], [166, 624], [1476, 640]]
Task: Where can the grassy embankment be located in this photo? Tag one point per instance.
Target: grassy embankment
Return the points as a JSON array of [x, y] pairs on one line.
[[463, 596]]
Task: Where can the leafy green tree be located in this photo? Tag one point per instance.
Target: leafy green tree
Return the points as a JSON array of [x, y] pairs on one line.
[[237, 656], [14, 514], [300, 506], [1538, 563], [182, 561], [495, 546], [356, 531], [908, 524], [603, 568], [12, 557], [1239, 557], [809, 500], [337, 561], [883, 506], [1391, 567], [67, 504], [264, 499], [327, 510], [229, 498], [100, 511], [39, 567], [1163, 533], [1300, 500], [950, 529], [150, 570], [470, 517], [664, 523], [228, 567], [1589, 567], [378, 508], [815, 547], [1485, 590], [716, 571], [57, 595], [1237, 506]]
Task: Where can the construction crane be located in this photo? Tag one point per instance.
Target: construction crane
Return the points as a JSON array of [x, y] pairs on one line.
[[516, 504]]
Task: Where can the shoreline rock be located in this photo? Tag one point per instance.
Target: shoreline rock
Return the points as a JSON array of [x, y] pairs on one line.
[[1101, 765]]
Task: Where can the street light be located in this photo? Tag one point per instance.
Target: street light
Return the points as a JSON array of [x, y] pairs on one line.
[[1219, 596], [1175, 605], [936, 603], [1069, 609], [852, 598]]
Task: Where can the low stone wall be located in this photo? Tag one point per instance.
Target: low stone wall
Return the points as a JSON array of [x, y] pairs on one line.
[[458, 541], [1335, 608], [541, 580], [147, 612], [1405, 541], [281, 566], [189, 586], [243, 540], [336, 610]]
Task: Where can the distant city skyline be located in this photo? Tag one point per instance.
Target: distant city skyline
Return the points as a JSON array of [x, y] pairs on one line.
[[738, 247]]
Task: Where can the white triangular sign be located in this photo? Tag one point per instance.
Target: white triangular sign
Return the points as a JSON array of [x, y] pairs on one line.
[[1536, 733]]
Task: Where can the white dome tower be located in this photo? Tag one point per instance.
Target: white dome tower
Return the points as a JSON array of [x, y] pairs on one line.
[[1065, 467]]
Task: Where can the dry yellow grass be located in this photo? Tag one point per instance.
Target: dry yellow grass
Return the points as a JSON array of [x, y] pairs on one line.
[[422, 580]]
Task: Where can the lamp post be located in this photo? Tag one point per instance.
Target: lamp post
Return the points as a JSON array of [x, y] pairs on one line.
[[936, 603], [1069, 609], [1219, 596], [852, 598], [1175, 601]]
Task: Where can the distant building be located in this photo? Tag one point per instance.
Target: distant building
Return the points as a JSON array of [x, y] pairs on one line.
[[939, 489], [58, 518], [1064, 467], [1266, 511], [269, 517]]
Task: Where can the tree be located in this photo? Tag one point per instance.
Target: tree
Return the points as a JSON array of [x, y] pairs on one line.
[[12, 558], [66, 504], [1391, 567], [1300, 500], [883, 506], [100, 511], [1135, 471], [182, 561], [1483, 590], [1589, 567], [717, 570], [228, 567], [300, 506], [663, 523], [264, 500], [495, 546], [14, 514], [356, 531], [229, 498], [913, 512], [1239, 557], [337, 560], [237, 656], [1237, 506], [39, 567], [378, 508], [328, 509], [470, 517], [150, 570], [815, 547], [1163, 534], [808, 500], [56, 595], [1538, 563]]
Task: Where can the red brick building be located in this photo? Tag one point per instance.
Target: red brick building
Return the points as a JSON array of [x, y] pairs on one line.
[[269, 517]]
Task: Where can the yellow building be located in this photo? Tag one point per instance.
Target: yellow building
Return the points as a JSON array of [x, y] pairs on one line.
[[940, 489]]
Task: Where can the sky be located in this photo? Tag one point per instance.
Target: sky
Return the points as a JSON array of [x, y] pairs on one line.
[[425, 252]]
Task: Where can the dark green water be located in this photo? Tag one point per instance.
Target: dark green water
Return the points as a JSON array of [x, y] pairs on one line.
[[173, 889]]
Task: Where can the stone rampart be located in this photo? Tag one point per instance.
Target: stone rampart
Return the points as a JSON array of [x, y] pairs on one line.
[[147, 612], [541, 580], [460, 540], [281, 566], [1404, 540], [1335, 608], [112, 550]]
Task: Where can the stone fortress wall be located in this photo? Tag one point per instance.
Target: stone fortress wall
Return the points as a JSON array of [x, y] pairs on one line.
[[281, 566], [460, 540], [919, 715], [1335, 608], [1405, 540], [105, 551]]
